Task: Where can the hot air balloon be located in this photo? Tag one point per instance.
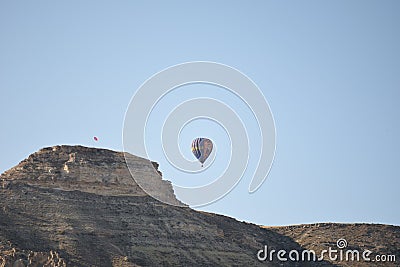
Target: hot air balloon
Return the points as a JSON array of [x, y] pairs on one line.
[[201, 149]]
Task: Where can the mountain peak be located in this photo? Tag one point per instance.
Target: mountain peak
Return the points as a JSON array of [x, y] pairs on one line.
[[87, 169]]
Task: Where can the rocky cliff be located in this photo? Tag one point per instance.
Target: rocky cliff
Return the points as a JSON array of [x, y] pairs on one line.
[[79, 206], [90, 170]]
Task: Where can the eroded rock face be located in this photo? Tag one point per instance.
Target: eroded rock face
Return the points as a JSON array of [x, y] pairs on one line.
[[79, 206], [10, 256], [99, 171]]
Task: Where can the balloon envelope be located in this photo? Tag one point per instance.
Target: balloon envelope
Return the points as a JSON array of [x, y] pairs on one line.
[[201, 148]]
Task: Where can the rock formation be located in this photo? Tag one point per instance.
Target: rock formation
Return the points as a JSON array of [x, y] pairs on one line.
[[79, 206], [90, 170]]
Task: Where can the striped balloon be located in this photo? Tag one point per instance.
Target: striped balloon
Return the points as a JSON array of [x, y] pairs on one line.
[[201, 148]]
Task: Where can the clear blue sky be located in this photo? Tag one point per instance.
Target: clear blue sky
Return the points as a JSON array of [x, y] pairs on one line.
[[330, 71]]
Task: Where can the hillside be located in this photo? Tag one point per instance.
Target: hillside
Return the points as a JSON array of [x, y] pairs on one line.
[[79, 206]]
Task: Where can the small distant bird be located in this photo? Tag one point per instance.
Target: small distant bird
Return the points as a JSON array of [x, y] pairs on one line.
[[95, 138]]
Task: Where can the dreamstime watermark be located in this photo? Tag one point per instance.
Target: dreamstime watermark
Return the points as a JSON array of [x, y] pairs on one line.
[[224, 77], [340, 253]]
